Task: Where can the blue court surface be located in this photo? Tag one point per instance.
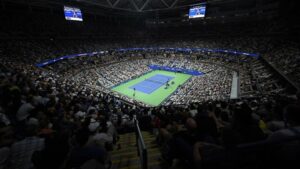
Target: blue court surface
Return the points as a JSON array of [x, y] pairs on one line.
[[151, 84]]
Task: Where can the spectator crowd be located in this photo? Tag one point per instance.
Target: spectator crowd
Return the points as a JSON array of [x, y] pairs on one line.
[[64, 115]]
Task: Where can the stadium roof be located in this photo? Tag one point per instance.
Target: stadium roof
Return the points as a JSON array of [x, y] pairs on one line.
[[132, 7], [124, 5], [142, 5]]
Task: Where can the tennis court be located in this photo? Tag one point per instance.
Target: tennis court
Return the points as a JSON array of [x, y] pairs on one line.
[[150, 87], [151, 84]]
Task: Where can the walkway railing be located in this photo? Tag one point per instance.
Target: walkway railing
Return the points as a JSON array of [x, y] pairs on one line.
[[141, 147]]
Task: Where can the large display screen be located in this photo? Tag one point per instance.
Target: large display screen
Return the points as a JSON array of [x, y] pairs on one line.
[[197, 11], [73, 14]]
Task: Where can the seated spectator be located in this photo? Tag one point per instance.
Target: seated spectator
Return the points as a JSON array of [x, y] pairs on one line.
[[244, 128], [285, 143], [181, 144], [6, 139], [292, 119], [22, 151], [83, 153], [55, 152], [206, 155], [99, 135]]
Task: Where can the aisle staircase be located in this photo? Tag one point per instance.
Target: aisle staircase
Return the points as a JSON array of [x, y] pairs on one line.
[[125, 155]]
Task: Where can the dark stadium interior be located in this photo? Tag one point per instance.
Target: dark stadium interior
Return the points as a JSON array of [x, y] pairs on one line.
[[57, 71]]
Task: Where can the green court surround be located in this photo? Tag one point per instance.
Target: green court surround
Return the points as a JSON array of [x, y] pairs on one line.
[[159, 95]]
